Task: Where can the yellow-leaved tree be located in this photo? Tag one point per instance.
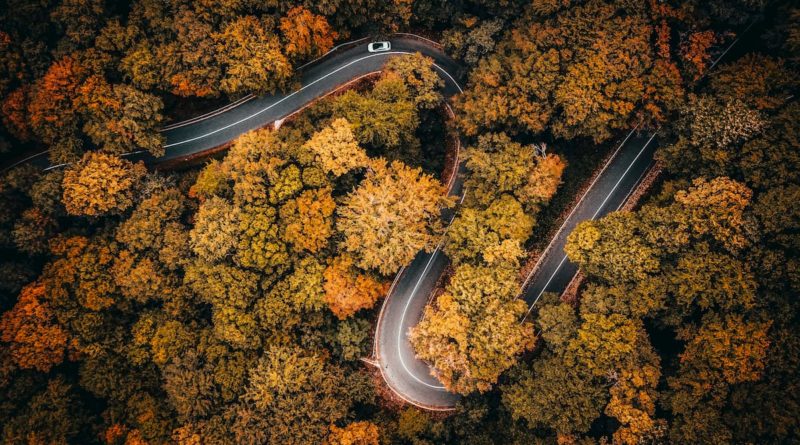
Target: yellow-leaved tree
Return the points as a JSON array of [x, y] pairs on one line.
[[393, 214], [100, 184]]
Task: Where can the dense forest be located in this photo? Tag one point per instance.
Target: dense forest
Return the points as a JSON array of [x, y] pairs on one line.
[[233, 299]]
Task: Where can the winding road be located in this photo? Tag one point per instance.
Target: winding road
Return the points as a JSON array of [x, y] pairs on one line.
[[188, 138], [411, 379]]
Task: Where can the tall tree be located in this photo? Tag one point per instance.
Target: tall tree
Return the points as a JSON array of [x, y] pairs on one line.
[[189, 65], [554, 395], [347, 291], [336, 149], [355, 433], [216, 229], [720, 353], [476, 235], [423, 82], [34, 337], [292, 397], [252, 56], [393, 214], [385, 118], [51, 111], [308, 220], [101, 184], [54, 414], [306, 34], [473, 332], [120, 118]]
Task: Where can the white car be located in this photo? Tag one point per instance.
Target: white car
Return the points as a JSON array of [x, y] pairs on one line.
[[379, 47]]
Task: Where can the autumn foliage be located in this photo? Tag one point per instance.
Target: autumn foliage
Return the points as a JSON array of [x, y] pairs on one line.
[[392, 215], [306, 33], [356, 433], [100, 184], [35, 338], [347, 291], [235, 303]]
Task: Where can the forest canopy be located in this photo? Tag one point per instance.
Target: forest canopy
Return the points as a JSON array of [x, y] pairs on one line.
[[233, 298]]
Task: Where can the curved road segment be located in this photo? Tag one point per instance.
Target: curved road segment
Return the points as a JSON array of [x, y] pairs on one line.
[[323, 77], [410, 378]]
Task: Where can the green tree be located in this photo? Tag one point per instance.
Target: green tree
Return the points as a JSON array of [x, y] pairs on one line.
[[557, 322], [258, 243], [475, 235], [211, 181], [610, 248], [712, 281], [292, 304], [554, 395], [497, 165], [385, 118], [222, 285], [602, 342]]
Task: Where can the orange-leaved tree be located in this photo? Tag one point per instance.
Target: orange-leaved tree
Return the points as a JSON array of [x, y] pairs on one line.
[[355, 433], [347, 291], [35, 338], [308, 220], [306, 34], [100, 184]]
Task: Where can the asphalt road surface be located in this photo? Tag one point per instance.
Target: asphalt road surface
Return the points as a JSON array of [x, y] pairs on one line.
[[410, 378], [607, 193], [338, 68]]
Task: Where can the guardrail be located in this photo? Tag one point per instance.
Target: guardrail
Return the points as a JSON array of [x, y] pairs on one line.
[[420, 38], [336, 49], [209, 114]]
